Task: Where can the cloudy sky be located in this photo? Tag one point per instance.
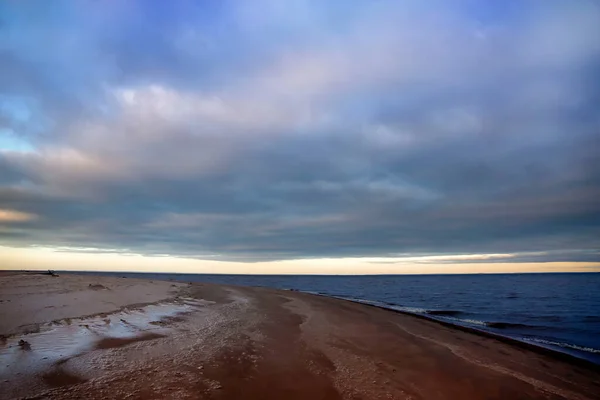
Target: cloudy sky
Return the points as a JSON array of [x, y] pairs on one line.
[[373, 135]]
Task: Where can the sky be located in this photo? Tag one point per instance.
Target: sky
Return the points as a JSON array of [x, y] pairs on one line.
[[300, 136]]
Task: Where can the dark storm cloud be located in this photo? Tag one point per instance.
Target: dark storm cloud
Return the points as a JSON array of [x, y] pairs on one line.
[[253, 131]]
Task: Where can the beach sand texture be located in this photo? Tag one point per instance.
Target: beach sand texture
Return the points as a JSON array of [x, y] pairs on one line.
[[88, 337]]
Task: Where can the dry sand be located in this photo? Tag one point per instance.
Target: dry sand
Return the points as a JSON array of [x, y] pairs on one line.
[[99, 337]]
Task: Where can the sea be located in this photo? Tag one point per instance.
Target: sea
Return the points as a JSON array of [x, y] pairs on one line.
[[559, 311]]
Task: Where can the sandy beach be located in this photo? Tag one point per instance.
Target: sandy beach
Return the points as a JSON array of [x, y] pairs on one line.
[[82, 336]]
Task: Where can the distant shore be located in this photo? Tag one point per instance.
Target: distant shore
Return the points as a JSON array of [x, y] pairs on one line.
[[85, 336]]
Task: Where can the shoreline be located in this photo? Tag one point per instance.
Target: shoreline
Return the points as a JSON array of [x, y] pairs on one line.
[[550, 350], [94, 337], [558, 353], [555, 353]]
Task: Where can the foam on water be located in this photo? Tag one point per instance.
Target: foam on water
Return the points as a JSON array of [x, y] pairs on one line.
[[553, 344]]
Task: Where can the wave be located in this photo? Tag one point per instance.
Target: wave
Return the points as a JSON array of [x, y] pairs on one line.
[[384, 304], [509, 325], [451, 316], [459, 321], [362, 301], [562, 344], [472, 321], [413, 310], [451, 313]]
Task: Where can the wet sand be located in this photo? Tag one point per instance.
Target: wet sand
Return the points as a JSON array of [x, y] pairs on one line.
[[104, 337]]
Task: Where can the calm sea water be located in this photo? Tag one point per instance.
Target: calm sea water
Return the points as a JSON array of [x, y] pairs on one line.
[[559, 311]]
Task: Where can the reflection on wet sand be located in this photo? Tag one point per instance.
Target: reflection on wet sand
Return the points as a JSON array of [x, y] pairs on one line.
[[57, 342]]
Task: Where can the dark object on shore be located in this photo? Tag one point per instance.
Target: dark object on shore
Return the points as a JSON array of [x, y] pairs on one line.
[[52, 273], [24, 344]]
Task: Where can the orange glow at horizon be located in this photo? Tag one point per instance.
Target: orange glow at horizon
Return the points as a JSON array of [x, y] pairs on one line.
[[45, 258]]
